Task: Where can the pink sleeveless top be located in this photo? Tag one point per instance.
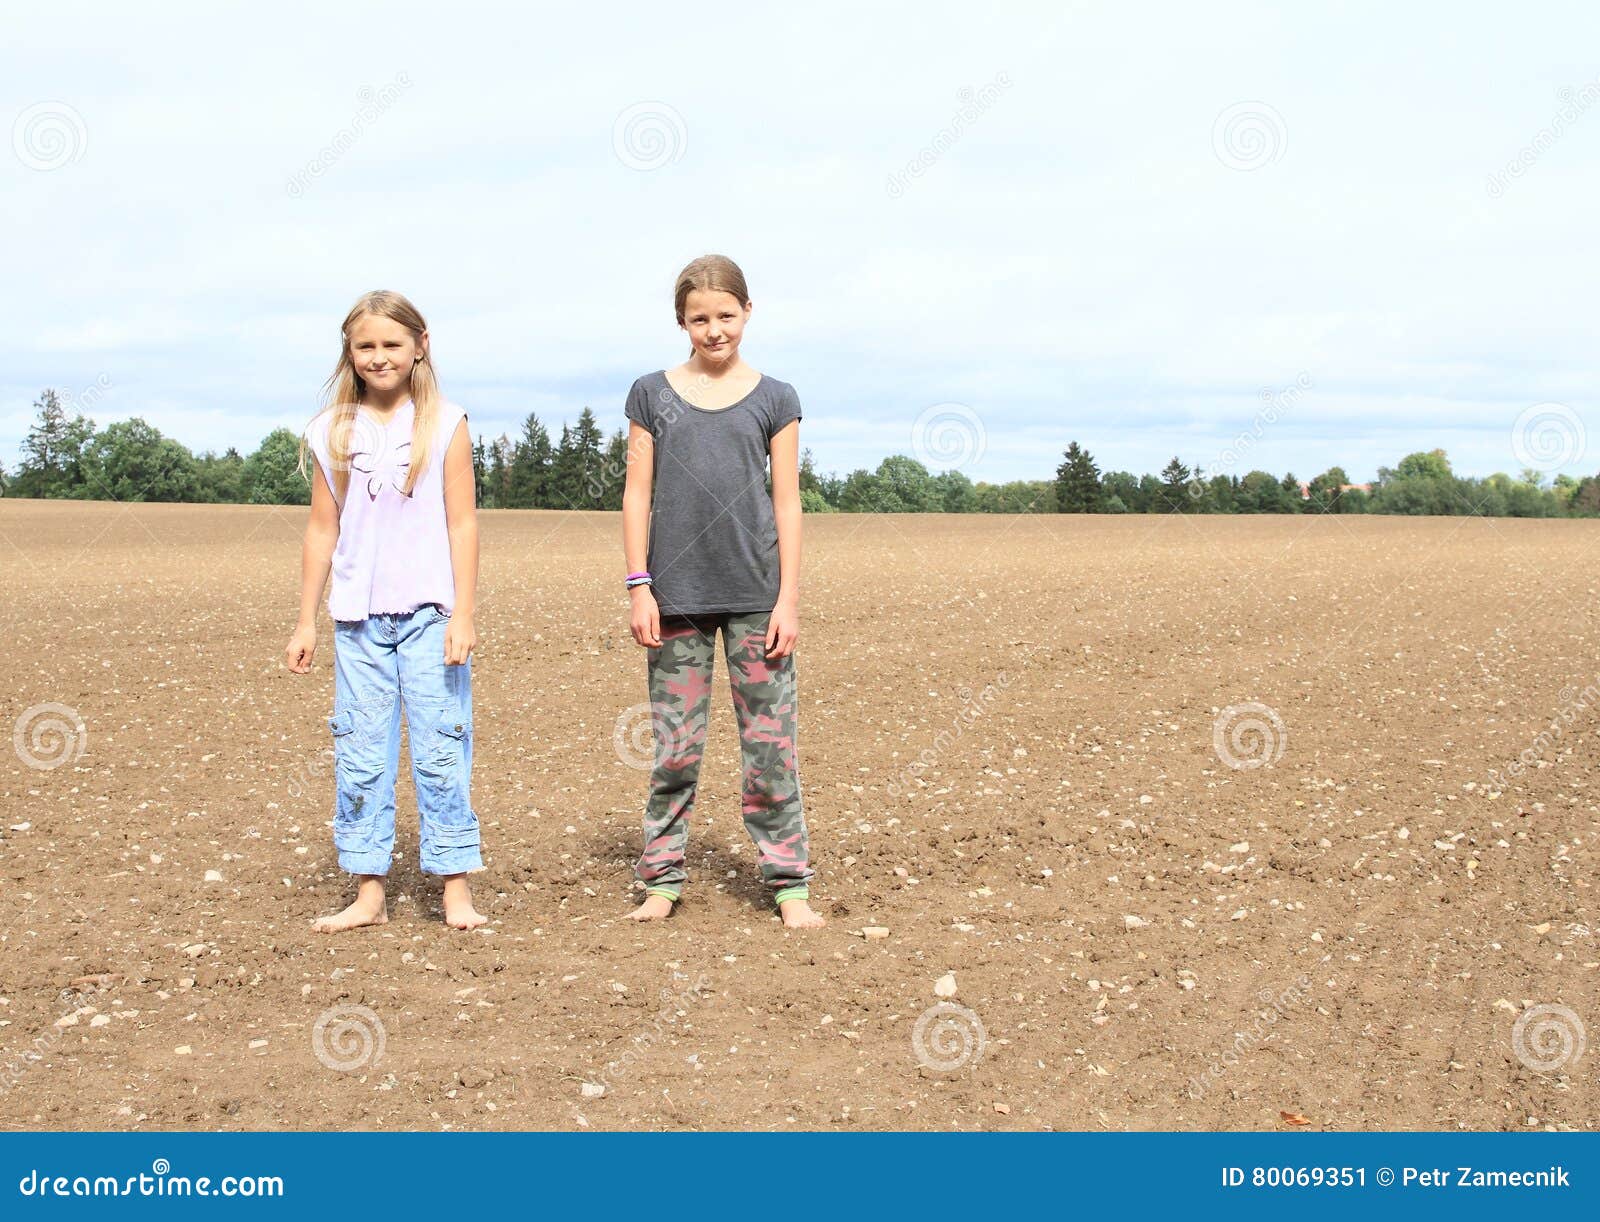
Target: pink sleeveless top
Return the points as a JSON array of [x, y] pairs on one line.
[[393, 554]]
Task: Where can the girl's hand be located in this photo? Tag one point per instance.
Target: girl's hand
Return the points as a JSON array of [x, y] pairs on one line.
[[460, 638], [301, 646], [646, 620], [783, 629]]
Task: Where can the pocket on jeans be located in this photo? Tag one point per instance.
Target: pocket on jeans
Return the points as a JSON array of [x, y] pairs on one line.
[[441, 747], [351, 779], [441, 765]]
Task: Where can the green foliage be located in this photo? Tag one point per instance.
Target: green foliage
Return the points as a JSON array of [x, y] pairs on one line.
[[615, 469], [272, 474], [1018, 496], [52, 454], [1123, 486], [909, 482], [528, 483], [1327, 491], [1174, 493], [955, 492], [1078, 487], [812, 501], [64, 456], [131, 461], [222, 479]]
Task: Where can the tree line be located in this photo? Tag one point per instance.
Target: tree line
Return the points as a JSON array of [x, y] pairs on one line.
[[68, 457]]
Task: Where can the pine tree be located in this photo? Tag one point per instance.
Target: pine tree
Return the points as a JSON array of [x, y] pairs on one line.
[[480, 471], [500, 459], [808, 474], [1174, 487], [527, 483], [616, 470], [1078, 482], [561, 492], [588, 463], [52, 453]]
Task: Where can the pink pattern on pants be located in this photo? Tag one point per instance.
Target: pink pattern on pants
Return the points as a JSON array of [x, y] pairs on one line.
[[763, 689]]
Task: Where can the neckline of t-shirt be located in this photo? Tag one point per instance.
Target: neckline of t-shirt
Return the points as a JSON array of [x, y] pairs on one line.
[[389, 423], [711, 411]]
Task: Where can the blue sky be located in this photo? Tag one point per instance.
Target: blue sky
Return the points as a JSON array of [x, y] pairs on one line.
[[1140, 228]]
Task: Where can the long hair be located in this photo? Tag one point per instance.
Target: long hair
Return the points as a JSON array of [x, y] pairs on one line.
[[345, 391], [708, 274]]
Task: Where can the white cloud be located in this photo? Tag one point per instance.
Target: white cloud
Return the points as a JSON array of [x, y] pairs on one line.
[[1077, 263]]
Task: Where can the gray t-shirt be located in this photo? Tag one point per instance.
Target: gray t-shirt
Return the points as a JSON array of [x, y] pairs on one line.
[[713, 538]]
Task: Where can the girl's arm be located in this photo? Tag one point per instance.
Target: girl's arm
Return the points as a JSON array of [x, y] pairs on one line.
[[645, 615], [461, 519], [316, 558], [784, 626]]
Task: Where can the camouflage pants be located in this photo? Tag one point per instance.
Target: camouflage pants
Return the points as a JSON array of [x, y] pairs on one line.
[[764, 700]]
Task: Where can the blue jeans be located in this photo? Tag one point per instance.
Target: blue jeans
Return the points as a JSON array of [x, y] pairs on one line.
[[380, 664]]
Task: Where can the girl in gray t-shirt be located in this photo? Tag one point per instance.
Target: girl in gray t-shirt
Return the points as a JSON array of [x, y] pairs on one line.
[[709, 549]]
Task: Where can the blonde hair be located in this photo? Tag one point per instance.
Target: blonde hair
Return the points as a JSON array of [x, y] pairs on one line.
[[345, 391], [708, 274]]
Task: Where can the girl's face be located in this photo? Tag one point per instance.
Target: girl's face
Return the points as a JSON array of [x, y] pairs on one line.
[[715, 323], [383, 352]]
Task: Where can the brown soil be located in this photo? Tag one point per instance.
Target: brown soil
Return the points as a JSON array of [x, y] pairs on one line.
[[1148, 937]]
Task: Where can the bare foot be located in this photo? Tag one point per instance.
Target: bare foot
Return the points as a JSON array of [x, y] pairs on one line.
[[797, 914], [368, 909], [654, 908], [458, 910]]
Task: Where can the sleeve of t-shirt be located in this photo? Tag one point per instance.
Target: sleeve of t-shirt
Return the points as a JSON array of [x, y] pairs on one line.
[[639, 409], [450, 415], [316, 438], [784, 411]]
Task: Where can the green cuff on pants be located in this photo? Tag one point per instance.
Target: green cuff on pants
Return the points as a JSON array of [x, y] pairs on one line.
[[671, 895], [792, 893]]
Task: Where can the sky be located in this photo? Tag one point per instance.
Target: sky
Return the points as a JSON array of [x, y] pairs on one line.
[[1242, 234]]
